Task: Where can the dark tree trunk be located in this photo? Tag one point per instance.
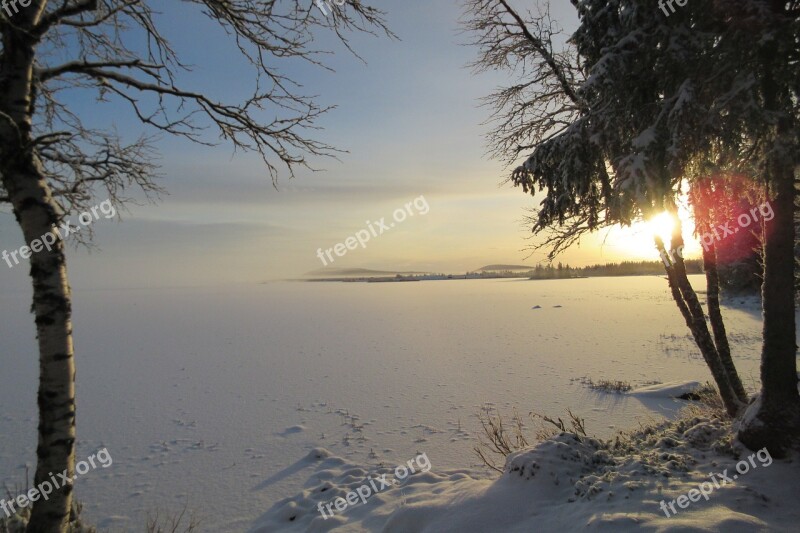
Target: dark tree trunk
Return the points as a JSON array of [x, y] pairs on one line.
[[718, 324], [779, 359], [686, 299], [773, 421]]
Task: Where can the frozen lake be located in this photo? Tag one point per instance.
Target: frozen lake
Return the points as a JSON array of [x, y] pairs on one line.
[[206, 397]]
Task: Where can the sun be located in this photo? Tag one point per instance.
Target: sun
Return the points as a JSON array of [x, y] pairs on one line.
[[662, 225], [636, 242]]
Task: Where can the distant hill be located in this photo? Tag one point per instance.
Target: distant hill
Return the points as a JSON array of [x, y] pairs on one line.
[[356, 272], [499, 268]]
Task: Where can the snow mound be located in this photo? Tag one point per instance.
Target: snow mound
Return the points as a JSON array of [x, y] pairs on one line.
[[335, 478], [563, 459], [318, 454], [673, 389], [568, 482], [292, 430]]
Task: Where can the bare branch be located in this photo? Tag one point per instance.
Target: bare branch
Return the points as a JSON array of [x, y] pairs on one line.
[[545, 51], [66, 10], [544, 102], [95, 46]]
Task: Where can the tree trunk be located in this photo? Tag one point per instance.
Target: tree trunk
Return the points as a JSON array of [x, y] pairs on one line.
[[36, 212], [689, 305], [773, 421], [779, 359], [718, 324], [55, 452]]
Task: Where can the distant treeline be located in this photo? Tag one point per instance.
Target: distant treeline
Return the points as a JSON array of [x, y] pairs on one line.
[[626, 268]]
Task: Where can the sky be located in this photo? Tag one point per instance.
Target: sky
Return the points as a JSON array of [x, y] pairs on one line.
[[410, 119]]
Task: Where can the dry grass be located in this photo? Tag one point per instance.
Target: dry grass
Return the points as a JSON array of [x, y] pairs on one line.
[[498, 439], [17, 523], [707, 401], [553, 427], [180, 523], [606, 385]]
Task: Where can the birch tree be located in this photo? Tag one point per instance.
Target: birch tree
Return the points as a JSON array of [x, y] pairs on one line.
[[616, 122], [53, 165]]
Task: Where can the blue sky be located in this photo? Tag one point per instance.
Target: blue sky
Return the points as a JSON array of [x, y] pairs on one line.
[[411, 121]]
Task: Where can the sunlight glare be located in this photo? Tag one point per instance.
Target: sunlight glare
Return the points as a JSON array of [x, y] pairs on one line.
[[635, 243], [661, 225]]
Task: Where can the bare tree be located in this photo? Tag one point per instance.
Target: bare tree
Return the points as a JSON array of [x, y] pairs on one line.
[[52, 164]]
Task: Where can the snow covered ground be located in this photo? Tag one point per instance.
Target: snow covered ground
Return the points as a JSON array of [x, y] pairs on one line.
[[212, 398], [681, 476]]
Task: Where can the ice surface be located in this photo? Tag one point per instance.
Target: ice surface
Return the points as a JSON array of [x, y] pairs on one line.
[[199, 394]]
